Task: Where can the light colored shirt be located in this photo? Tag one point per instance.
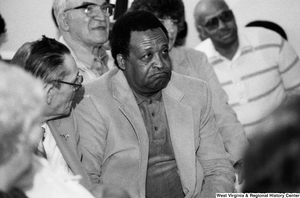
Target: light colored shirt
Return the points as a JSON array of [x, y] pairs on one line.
[[54, 156], [90, 66], [49, 182], [263, 72]]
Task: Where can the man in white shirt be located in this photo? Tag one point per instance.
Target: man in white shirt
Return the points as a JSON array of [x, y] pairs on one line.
[[23, 174], [256, 67], [52, 62], [84, 26]]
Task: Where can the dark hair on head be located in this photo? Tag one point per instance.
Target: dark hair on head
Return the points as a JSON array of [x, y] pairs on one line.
[[43, 58], [131, 21], [173, 9], [2, 25]]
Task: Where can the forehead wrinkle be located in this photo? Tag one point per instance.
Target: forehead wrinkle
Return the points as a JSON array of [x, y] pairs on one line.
[[149, 39]]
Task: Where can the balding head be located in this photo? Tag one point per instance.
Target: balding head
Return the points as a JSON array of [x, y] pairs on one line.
[[214, 20], [208, 7]]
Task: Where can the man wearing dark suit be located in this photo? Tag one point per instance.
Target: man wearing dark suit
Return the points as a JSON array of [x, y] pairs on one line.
[[52, 62], [145, 128]]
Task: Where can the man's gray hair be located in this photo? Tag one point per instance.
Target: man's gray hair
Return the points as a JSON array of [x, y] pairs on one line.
[[21, 102], [59, 6]]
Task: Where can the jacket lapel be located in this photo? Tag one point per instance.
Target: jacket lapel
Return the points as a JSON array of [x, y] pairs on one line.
[[180, 119], [128, 106], [66, 142]]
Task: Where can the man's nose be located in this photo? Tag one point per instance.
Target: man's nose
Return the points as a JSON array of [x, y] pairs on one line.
[[99, 14], [158, 61]]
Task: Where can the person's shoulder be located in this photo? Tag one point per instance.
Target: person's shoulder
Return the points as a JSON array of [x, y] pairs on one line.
[[207, 47], [101, 83], [261, 35], [187, 83], [189, 53]]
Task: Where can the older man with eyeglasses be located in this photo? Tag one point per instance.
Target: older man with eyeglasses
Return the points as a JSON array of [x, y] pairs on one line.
[[52, 62], [256, 67], [84, 28]]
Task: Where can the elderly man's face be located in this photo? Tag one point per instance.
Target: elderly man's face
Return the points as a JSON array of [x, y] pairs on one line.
[[89, 30], [148, 67], [62, 97]]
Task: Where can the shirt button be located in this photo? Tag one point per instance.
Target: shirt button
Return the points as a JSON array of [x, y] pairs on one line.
[[152, 114], [155, 128]]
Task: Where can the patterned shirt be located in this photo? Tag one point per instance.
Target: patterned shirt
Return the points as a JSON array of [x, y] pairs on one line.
[[263, 72]]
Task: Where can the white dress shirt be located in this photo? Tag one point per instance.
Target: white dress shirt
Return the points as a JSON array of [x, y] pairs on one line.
[[54, 156]]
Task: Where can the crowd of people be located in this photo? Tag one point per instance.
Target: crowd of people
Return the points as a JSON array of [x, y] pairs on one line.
[[147, 116]]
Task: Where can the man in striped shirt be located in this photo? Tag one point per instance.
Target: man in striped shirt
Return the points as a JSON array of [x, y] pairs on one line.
[[256, 67]]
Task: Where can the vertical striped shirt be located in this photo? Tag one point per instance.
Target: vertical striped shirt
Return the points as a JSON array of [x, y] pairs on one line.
[[263, 72]]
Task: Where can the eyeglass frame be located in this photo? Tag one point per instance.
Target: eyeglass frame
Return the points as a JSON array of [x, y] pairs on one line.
[[85, 7], [218, 18], [75, 85]]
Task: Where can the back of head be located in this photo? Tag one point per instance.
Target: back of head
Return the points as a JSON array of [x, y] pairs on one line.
[[136, 21], [21, 102], [162, 9], [43, 58], [272, 162]]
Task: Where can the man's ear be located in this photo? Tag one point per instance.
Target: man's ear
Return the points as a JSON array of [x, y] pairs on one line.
[[62, 21], [49, 90], [121, 61]]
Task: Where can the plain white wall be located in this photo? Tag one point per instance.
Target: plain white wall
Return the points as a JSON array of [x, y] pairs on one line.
[[28, 20]]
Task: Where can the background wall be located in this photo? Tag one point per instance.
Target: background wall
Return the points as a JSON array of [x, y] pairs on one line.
[[28, 20]]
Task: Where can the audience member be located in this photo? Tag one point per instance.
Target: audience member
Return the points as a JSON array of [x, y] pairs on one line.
[[21, 103], [256, 67], [194, 63], [153, 135], [272, 161], [22, 173], [52, 62], [84, 27]]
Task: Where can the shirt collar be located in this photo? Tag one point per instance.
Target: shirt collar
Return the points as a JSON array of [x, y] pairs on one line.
[[140, 98], [81, 55], [244, 45]]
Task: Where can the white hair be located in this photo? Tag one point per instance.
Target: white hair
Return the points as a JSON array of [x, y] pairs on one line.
[[21, 102], [59, 6]]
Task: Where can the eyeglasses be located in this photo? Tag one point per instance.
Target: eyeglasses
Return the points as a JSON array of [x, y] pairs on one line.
[[225, 16], [91, 8], [77, 83]]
